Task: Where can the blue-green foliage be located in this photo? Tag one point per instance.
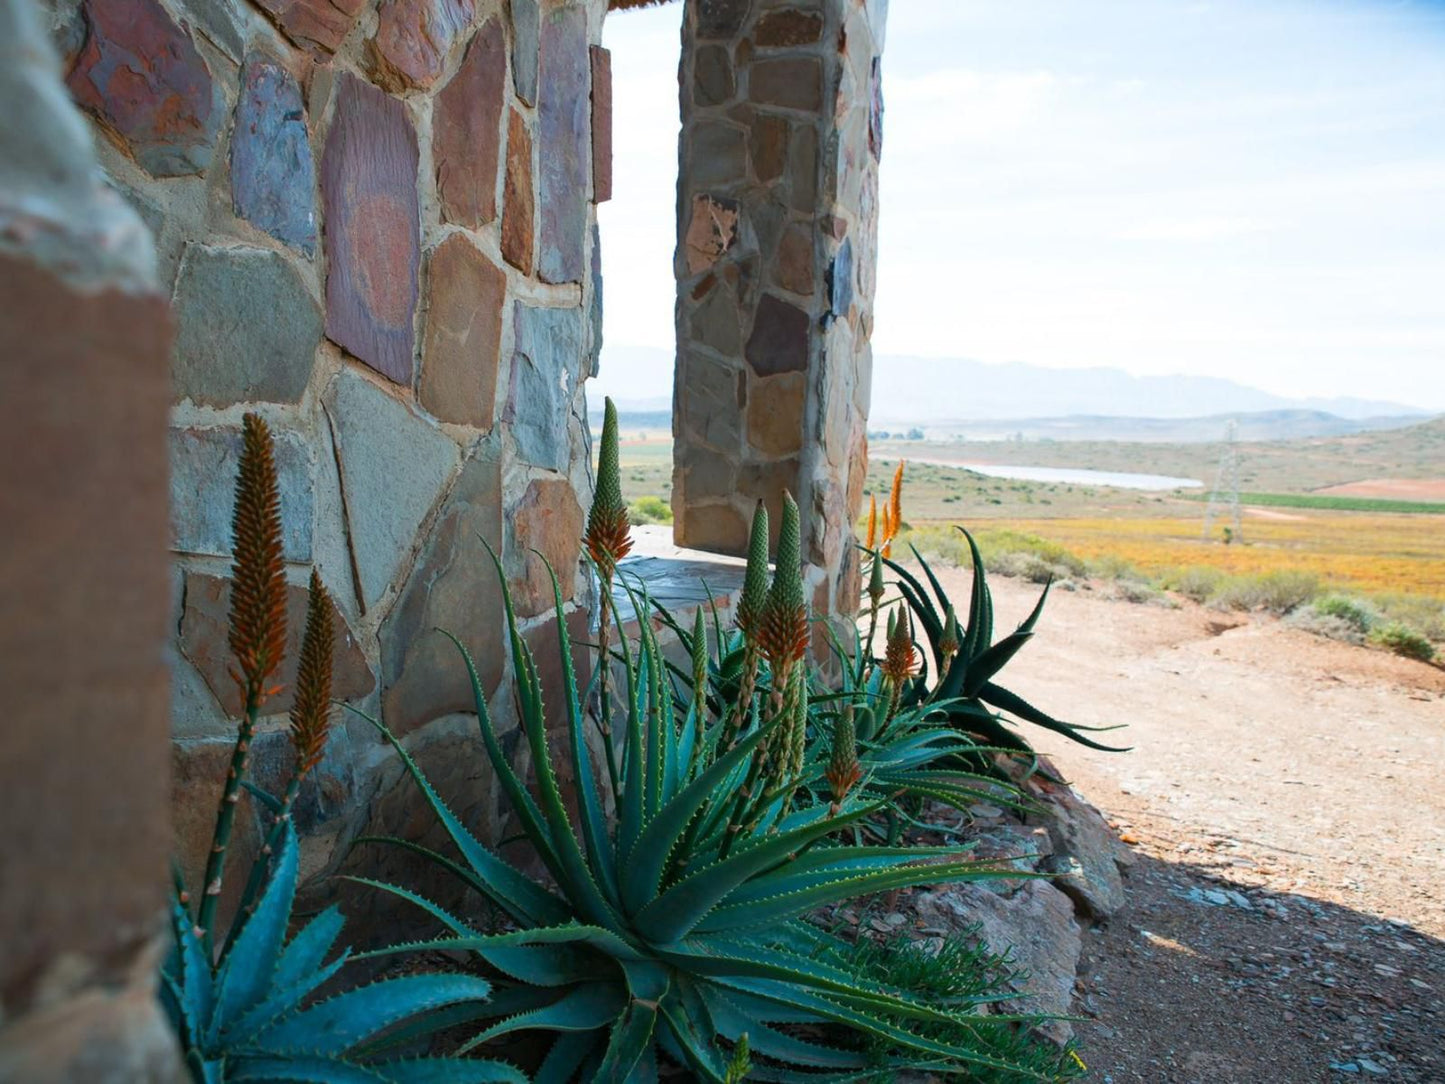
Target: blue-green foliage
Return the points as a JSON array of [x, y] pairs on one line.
[[663, 935], [253, 1014]]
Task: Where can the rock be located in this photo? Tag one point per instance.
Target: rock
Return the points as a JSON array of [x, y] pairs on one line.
[[317, 25], [595, 311], [203, 490], [716, 322], [717, 527], [223, 22], [1080, 833], [247, 327], [768, 146], [273, 178], [840, 281], [563, 129], [373, 224], [792, 83], [779, 342], [711, 397], [526, 36], [789, 27], [803, 169], [547, 519], [394, 465], [601, 62], [466, 131], [413, 38], [712, 76], [775, 414], [1035, 926], [141, 75], [460, 351], [454, 587], [793, 268], [1371, 1068], [518, 201], [203, 641], [721, 18], [717, 155], [549, 351], [710, 231]]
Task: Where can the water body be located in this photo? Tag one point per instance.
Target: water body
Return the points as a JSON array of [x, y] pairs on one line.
[[1071, 476]]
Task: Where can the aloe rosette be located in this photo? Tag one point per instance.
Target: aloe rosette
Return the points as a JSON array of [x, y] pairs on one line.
[[651, 941]]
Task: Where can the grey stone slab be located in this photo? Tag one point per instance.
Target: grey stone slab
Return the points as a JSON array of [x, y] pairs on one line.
[[273, 176], [596, 308], [394, 465], [564, 129], [246, 327], [840, 280], [223, 22], [546, 363], [526, 35], [203, 486]]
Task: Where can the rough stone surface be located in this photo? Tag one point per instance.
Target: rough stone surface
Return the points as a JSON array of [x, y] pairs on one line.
[[563, 130], [789, 27], [203, 479], [840, 281], [790, 83], [775, 414], [317, 25], [793, 269], [223, 22], [715, 322], [203, 633], [453, 587], [719, 154], [142, 76], [721, 18], [768, 146], [526, 40], [711, 231], [373, 228], [548, 519], [460, 351], [719, 527], [466, 131], [518, 201], [1035, 925], [393, 466], [803, 169], [413, 38], [712, 76], [595, 313], [247, 328], [1084, 851], [273, 177], [779, 342], [875, 111], [601, 124], [549, 351], [710, 399]]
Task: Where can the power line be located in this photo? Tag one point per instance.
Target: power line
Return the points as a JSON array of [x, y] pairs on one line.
[[1226, 488]]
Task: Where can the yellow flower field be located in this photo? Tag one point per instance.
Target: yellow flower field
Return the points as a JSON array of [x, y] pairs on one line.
[[1370, 553]]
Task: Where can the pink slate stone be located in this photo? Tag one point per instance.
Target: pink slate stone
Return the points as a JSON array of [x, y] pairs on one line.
[[318, 25], [466, 131], [413, 38], [142, 76], [373, 224], [601, 124]]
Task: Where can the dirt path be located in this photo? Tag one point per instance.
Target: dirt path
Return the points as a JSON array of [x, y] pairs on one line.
[[1287, 904]]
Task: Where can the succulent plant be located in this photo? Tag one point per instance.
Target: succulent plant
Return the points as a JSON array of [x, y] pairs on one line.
[[648, 941]]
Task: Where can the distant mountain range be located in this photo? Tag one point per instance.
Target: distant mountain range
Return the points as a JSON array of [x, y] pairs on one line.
[[1251, 426], [910, 391]]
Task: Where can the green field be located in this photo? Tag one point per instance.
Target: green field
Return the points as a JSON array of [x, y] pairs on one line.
[[1334, 504]]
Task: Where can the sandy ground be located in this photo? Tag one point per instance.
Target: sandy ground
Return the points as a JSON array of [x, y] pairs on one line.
[[1287, 901], [1399, 489]]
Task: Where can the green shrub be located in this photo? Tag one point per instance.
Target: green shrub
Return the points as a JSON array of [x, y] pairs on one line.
[[1331, 627], [649, 509], [1198, 582], [1112, 567], [1273, 592], [1400, 638], [1422, 612], [1353, 611]]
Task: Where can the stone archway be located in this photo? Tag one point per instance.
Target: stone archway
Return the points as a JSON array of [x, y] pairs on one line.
[[777, 223]]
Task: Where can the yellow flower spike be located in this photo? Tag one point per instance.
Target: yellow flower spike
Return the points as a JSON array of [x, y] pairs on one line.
[[872, 539], [895, 501]]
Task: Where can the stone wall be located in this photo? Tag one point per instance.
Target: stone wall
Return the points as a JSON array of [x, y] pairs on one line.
[[375, 221], [777, 224]]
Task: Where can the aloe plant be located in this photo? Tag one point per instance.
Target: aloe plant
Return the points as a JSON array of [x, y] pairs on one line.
[[248, 1012], [966, 662], [651, 939], [251, 1015]]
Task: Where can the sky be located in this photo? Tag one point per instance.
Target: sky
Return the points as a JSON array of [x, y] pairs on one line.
[[1251, 189]]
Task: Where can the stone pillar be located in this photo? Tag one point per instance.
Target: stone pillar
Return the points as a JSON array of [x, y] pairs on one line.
[[777, 216], [83, 598]]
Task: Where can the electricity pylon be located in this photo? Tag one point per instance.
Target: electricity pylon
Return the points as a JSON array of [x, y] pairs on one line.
[[1226, 488]]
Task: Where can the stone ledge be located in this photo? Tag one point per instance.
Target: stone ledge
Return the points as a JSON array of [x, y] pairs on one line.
[[676, 578]]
